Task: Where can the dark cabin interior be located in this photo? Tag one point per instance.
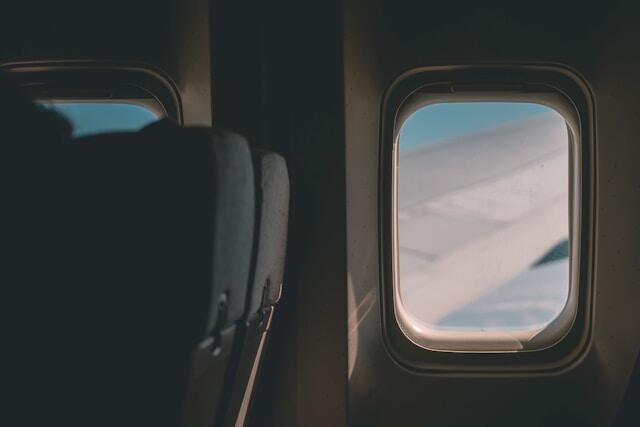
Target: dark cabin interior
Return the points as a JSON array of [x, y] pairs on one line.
[[312, 83]]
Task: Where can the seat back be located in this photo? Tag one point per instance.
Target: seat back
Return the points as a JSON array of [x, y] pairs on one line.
[[161, 236], [156, 257], [181, 233], [272, 189]]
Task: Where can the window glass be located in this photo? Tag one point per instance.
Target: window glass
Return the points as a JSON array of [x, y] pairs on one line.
[[90, 118], [483, 226]]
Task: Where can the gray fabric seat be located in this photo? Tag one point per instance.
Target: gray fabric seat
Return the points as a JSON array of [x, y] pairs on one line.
[[159, 238], [141, 262]]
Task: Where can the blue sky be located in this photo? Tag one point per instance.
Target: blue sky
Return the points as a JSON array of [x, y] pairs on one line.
[[436, 122], [90, 118], [427, 126]]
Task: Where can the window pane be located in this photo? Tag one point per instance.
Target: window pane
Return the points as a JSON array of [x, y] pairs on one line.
[[90, 118], [483, 226]]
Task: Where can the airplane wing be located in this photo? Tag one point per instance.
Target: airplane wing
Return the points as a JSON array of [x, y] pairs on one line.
[[475, 213]]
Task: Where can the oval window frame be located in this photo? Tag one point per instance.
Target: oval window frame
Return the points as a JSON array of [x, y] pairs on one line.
[[556, 87]]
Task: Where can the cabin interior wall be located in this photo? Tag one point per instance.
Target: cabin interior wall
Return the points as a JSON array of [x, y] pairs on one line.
[[299, 101], [385, 38], [171, 35]]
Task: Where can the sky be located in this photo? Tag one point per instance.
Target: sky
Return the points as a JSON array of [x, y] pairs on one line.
[[434, 123], [90, 118], [428, 125], [499, 197]]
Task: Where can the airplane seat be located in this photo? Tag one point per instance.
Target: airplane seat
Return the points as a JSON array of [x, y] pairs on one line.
[[156, 258], [22, 120], [29, 139], [272, 188], [187, 229], [162, 223]]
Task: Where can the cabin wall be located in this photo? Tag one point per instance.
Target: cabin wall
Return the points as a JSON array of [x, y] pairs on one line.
[[172, 36], [385, 38]]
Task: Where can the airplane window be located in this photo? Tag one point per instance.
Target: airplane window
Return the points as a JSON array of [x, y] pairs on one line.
[[90, 118], [483, 238]]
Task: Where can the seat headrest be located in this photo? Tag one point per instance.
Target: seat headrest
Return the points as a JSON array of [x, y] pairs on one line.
[[146, 233]]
